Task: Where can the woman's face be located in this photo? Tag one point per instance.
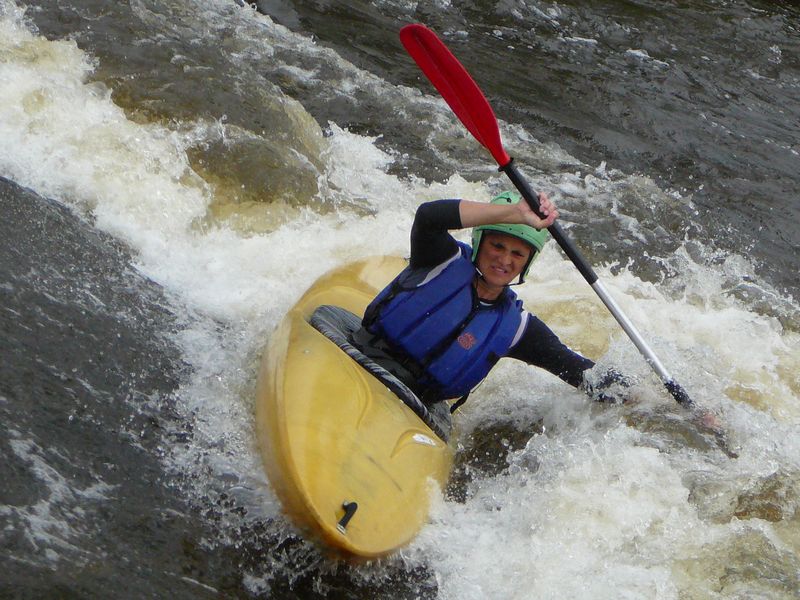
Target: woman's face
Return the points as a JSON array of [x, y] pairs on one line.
[[501, 259]]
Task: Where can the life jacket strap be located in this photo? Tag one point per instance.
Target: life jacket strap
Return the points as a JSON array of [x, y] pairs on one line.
[[457, 404], [446, 342]]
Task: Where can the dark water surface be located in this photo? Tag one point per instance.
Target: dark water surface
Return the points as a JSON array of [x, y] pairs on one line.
[[710, 106], [86, 397]]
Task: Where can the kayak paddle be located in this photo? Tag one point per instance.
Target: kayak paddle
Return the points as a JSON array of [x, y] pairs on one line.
[[469, 104]]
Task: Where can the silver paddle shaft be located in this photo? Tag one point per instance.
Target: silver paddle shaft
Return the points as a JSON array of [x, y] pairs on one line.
[[631, 330]]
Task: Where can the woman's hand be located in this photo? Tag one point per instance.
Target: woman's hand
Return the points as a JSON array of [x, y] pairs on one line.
[[546, 207]]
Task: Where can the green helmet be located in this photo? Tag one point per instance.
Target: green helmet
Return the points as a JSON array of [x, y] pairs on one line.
[[530, 235]]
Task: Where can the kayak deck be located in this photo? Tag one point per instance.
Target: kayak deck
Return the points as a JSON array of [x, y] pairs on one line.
[[352, 463]]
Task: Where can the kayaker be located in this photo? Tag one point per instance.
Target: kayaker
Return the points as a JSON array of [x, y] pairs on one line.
[[445, 321]]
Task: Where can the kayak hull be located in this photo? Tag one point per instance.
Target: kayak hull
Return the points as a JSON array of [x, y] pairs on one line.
[[334, 439]]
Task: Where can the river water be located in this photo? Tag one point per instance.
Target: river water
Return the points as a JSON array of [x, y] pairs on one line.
[[174, 174]]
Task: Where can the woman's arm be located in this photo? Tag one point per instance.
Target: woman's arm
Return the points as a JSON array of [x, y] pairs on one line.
[[482, 213], [540, 347], [431, 245]]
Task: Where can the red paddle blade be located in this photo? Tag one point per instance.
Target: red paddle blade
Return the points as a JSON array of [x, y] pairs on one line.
[[456, 87]]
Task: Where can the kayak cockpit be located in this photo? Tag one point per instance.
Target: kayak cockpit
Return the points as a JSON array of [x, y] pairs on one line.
[[338, 324]]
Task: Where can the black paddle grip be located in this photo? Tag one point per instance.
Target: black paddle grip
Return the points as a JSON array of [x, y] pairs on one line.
[[566, 243], [680, 395]]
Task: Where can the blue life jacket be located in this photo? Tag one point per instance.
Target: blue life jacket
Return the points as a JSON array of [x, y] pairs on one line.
[[441, 329]]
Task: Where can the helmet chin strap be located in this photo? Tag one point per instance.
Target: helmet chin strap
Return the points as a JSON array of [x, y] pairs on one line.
[[524, 270]]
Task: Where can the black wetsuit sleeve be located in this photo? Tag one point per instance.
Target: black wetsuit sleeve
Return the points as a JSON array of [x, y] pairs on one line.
[[431, 245], [540, 347]]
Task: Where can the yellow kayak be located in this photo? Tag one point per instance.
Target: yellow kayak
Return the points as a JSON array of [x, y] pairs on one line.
[[350, 454]]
